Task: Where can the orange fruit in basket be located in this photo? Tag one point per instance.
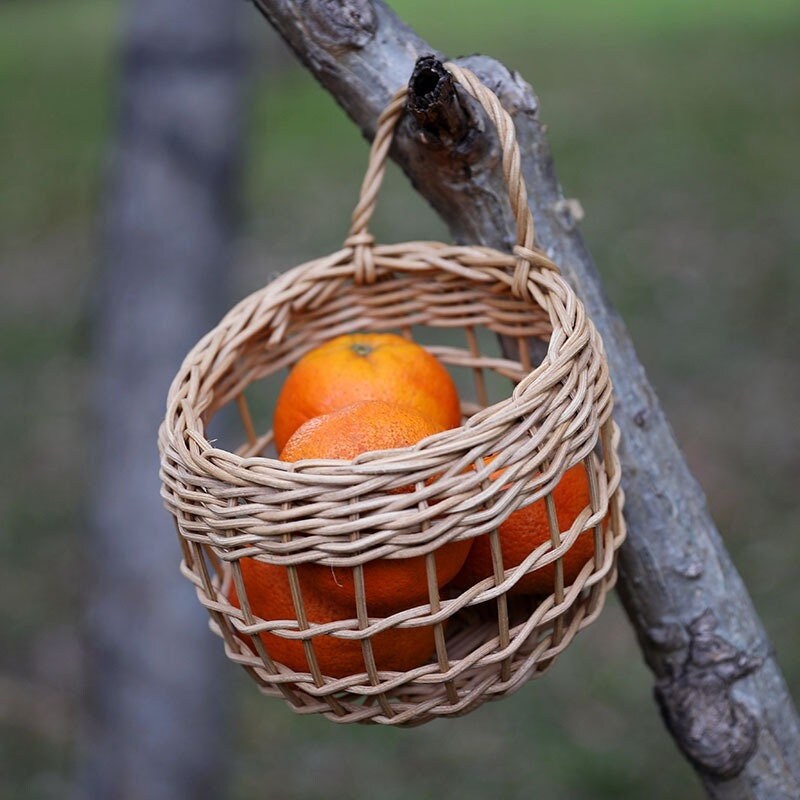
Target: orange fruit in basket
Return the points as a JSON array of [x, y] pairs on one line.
[[359, 427], [365, 366], [527, 529], [270, 598], [390, 584]]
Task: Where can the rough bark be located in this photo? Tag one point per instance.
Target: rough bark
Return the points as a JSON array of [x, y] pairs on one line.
[[155, 683], [716, 680]]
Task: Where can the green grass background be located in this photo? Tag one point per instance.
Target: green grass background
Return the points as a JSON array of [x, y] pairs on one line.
[[676, 124]]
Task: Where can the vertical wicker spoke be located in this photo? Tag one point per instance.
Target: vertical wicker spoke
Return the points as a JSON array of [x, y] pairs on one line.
[[524, 354], [438, 630], [477, 372], [214, 560], [308, 644], [190, 553], [558, 564], [247, 419], [302, 624], [502, 603], [366, 643], [362, 615], [596, 502]]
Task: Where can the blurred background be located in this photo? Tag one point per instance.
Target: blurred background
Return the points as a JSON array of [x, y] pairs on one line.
[[677, 126]]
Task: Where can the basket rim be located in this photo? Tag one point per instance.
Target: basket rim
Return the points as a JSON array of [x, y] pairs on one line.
[[484, 265]]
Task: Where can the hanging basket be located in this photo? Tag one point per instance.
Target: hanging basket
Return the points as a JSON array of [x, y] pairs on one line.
[[236, 505]]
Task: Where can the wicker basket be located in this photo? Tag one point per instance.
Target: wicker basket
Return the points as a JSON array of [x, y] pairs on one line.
[[231, 505]]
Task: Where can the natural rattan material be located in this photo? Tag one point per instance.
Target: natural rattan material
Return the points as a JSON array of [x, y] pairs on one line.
[[231, 505]]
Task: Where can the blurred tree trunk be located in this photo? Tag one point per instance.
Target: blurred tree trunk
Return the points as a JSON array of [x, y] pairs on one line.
[[156, 694]]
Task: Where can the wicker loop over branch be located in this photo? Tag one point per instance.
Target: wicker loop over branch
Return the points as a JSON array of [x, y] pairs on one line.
[[527, 256]]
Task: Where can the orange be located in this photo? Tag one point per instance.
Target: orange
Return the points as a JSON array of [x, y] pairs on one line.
[[365, 366], [270, 598], [527, 529], [359, 427], [390, 584]]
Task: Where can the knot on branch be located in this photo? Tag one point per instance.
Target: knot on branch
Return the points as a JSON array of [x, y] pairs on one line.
[[441, 117], [433, 102], [339, 25], [716, 732]]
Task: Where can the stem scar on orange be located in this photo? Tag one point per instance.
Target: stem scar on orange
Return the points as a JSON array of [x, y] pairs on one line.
[[390, 584], [365, 366], [527, 529], [270, 598]]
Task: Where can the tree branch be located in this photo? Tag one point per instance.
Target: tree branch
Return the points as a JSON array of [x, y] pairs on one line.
[[717, 683]]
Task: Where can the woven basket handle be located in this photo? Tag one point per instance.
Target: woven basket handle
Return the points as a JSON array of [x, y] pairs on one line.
[[362, 241]]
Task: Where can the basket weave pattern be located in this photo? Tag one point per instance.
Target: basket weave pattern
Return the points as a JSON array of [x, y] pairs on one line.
[[230, 505]]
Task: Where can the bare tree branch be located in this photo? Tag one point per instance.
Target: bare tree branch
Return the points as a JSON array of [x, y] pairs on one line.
[[717, 683]]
